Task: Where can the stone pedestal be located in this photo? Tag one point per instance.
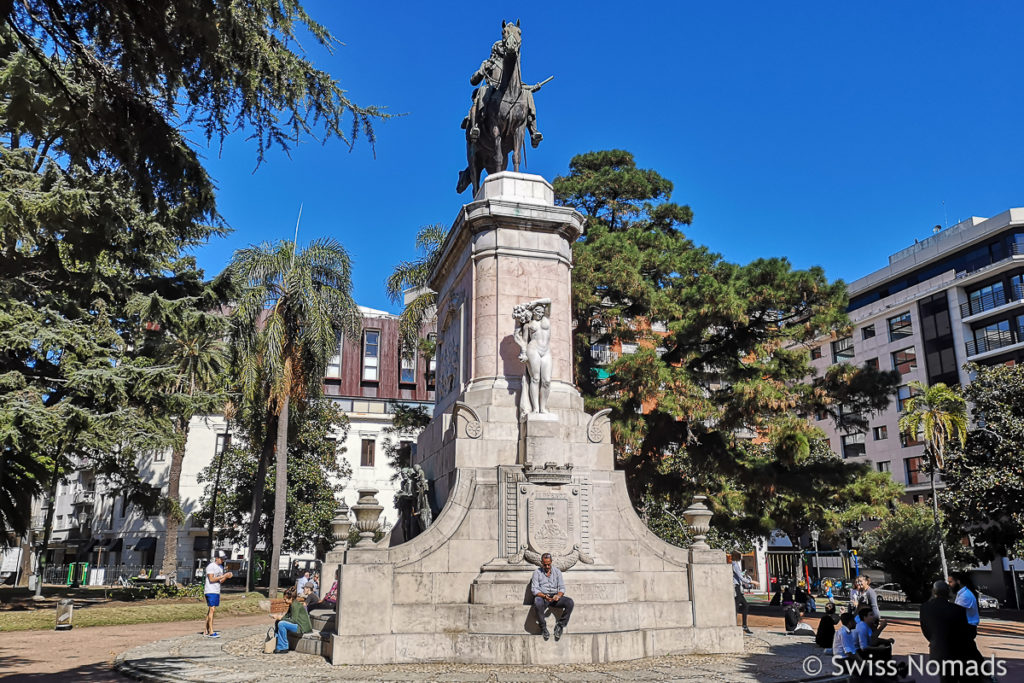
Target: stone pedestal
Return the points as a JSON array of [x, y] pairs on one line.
[[515, 485]]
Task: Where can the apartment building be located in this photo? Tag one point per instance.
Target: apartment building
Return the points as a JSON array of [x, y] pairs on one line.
[[365, 378], [955, 297]]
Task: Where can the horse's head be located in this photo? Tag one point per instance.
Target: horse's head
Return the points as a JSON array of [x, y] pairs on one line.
[[511, 37]]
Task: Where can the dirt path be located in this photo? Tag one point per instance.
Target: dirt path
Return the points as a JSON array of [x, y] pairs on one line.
[[87, 653]]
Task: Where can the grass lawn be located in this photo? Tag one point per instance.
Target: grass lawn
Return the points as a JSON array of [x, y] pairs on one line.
[[187, 609]]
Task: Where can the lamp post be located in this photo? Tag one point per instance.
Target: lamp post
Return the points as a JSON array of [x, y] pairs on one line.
[[817, 567]]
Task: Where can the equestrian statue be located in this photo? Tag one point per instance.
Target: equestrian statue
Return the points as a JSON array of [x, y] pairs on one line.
[[502, 111]]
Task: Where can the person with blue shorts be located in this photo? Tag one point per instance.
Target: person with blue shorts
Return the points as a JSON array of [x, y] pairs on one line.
[[215, 576]]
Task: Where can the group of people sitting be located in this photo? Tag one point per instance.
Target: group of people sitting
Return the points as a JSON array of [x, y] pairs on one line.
[[301, 599]]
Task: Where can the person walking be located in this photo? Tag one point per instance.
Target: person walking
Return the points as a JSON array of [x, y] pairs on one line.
[[944, 626], [215, 576], [739, 582], [548, 589], [964, 595]]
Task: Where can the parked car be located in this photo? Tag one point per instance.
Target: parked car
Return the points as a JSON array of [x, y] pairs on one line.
[[987, 601], [891, 592]]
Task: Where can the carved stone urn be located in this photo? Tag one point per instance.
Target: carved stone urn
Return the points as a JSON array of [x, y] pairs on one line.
[[698, 518], [341, 525], [367, 511]]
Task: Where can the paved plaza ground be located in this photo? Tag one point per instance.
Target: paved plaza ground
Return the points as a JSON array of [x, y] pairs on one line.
[[181, 654]]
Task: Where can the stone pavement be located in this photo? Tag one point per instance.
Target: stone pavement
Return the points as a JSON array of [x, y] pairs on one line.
[[238, 656]]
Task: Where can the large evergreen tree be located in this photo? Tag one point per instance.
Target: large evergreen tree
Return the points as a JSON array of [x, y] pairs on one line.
[[715, 397], [984, 477], [100, 194]]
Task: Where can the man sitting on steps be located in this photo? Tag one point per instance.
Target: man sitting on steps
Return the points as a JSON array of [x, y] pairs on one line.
[[548, 588]]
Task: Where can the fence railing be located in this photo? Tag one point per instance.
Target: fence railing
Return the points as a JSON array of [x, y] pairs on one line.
[[107, 575]]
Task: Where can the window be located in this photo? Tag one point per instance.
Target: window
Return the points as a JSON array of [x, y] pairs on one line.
[[407, 371], [903, 394], [883, 466], [334, 364], [908, 441], [867, 332], [367, 452], [160, 456], [871, 363], [853, 445], [900, 327], [881, 433], [628, 348], [904, 360], [915, 474], [1017, 287], [371, 355], [815, 352], [842, 350], [223, 443]]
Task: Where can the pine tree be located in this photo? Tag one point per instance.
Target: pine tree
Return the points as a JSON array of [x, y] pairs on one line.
[[714, 399]]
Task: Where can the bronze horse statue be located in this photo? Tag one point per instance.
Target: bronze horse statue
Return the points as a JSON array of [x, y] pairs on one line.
[[502, 117]]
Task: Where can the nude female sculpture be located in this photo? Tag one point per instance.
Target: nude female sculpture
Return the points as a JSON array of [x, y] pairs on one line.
[[533, 334]]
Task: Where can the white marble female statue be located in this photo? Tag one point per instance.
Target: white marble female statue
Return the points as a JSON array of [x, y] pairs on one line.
[[533, 334]]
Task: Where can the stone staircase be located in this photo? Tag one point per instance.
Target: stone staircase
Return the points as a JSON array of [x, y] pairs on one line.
[[318, 641]]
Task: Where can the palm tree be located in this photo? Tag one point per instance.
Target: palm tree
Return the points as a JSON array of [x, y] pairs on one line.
[[193, 346], [286, 325], [413, 275], [938, 413]]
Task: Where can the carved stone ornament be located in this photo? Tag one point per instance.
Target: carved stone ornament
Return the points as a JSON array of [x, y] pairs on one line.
[[549, 474], [474, 427], [594, 431], [564, 562]]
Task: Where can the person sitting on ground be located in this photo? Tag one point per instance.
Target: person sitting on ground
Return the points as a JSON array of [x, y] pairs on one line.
[[845, 644], [776, 594], [548, 588], [787, 596], [869, 643], [827, 628], [295, 620], [795, 623], [331, 597], [310, 599]]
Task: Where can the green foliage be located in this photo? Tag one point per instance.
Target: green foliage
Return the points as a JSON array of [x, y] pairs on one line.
[[413, 275], [721, 357], [316, 473], [984, 477], [101, 195], [939, 414], [904, 545], [406, 424]]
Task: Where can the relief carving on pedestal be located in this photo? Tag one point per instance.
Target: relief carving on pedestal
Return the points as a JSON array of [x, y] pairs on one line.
[[449, 344]]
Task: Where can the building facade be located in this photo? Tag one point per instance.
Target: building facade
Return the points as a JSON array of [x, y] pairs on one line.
[[953, 298], [365, 378]]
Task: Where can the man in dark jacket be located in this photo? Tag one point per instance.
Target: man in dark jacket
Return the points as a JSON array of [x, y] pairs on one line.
[[944, 625]]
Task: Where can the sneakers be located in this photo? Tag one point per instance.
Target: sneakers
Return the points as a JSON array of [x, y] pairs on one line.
[[558, 632], [281, 652], [544, 631], [747, 631], [215, 634]]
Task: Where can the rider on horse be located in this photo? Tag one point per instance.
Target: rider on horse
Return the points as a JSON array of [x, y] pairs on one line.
[[490, 72]]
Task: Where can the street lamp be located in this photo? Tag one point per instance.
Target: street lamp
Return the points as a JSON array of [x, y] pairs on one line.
[[817, 567]]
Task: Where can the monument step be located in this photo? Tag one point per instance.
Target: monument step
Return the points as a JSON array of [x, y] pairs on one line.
[[322, 620], [521, 619], [575, 647], [313, 643]]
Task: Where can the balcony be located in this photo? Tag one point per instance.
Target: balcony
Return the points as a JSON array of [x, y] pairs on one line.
[[993, 341], [980, 304], [82, 497]]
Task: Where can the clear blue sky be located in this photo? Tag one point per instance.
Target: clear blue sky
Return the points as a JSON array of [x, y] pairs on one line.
[[829, 133]]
